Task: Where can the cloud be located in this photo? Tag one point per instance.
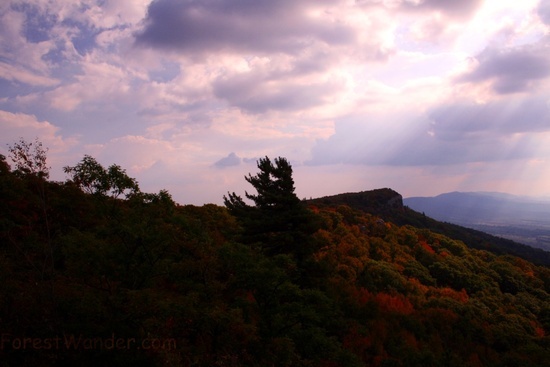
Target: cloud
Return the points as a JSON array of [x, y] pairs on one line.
[[264, 56], [543, 11], [511, 70], [258, 94], [15, 73], [26, 126], [231, 160], [239, 25], [368, 139], [99, 82], [19, 125], [449, 133], [22, 60], [510, 115], [168, 88], [451, 8]]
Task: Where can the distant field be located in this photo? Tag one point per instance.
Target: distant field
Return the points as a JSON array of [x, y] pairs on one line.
[[521, 219]]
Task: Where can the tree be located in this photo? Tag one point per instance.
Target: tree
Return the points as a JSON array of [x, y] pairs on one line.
[[278, 220], [274, 185], [93, 178], [29, 158], [31, 166], [4, 166]]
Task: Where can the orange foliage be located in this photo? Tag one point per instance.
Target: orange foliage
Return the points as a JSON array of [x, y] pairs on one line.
[[461, 296], [474, 360], [525, 266], [409, 339], [539, 331], [356, 342], [394, 304], [314, 209], [250, 297], [427, 247], [418, 285], [360, 295]]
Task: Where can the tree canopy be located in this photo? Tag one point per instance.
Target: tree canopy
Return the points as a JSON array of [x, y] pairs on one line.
[[184, 285], [93, 178], [274, 185]]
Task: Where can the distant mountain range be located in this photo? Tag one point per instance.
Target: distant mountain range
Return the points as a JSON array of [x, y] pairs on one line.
[[522, 219]]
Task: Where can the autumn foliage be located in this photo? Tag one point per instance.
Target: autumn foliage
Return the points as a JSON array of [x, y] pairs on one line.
[[194, 286]]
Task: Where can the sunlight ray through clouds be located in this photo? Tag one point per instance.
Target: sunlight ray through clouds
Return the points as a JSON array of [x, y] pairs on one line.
[[451, 94]]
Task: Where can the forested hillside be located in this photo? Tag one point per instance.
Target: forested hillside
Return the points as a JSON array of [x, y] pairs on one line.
[[388, 204], [96, 272]]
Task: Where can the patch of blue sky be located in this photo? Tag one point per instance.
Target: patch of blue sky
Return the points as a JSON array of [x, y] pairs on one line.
[[169, 71], [37, 24], [84, 40]]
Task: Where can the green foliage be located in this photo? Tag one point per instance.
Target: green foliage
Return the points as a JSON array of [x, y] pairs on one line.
[[414, 269], [210, 282], [93, 178], [274, 184], [382, 276], [278, 220]]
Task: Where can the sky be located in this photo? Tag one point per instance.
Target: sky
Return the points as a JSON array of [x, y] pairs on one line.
[[421, 96]]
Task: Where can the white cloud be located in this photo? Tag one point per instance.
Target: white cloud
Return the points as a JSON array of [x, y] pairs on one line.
[[20, 74], [17, 126], [99, 82], [22, 61], [370, 91]]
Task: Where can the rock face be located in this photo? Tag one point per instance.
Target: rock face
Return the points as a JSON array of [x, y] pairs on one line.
[[379, 200], [396, 201]]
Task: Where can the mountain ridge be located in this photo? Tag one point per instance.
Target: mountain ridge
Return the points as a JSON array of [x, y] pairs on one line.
[[390, 206]]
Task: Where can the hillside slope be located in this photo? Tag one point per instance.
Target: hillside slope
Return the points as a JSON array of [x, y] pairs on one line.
[[389, 205], [90, 279]]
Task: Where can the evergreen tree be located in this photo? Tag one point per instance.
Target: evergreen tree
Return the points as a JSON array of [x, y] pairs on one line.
[[278, 220], [274, 185]]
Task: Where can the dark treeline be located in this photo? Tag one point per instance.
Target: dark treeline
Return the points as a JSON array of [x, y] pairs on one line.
[[95, 272]]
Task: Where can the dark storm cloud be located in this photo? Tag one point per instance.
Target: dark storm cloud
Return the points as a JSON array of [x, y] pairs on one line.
[[237, 25], [292, 98], [231, 160], [452, 134], [511, 70], [258, 94]]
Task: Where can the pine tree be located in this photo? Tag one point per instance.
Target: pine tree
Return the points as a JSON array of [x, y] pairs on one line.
[[279, 221]]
